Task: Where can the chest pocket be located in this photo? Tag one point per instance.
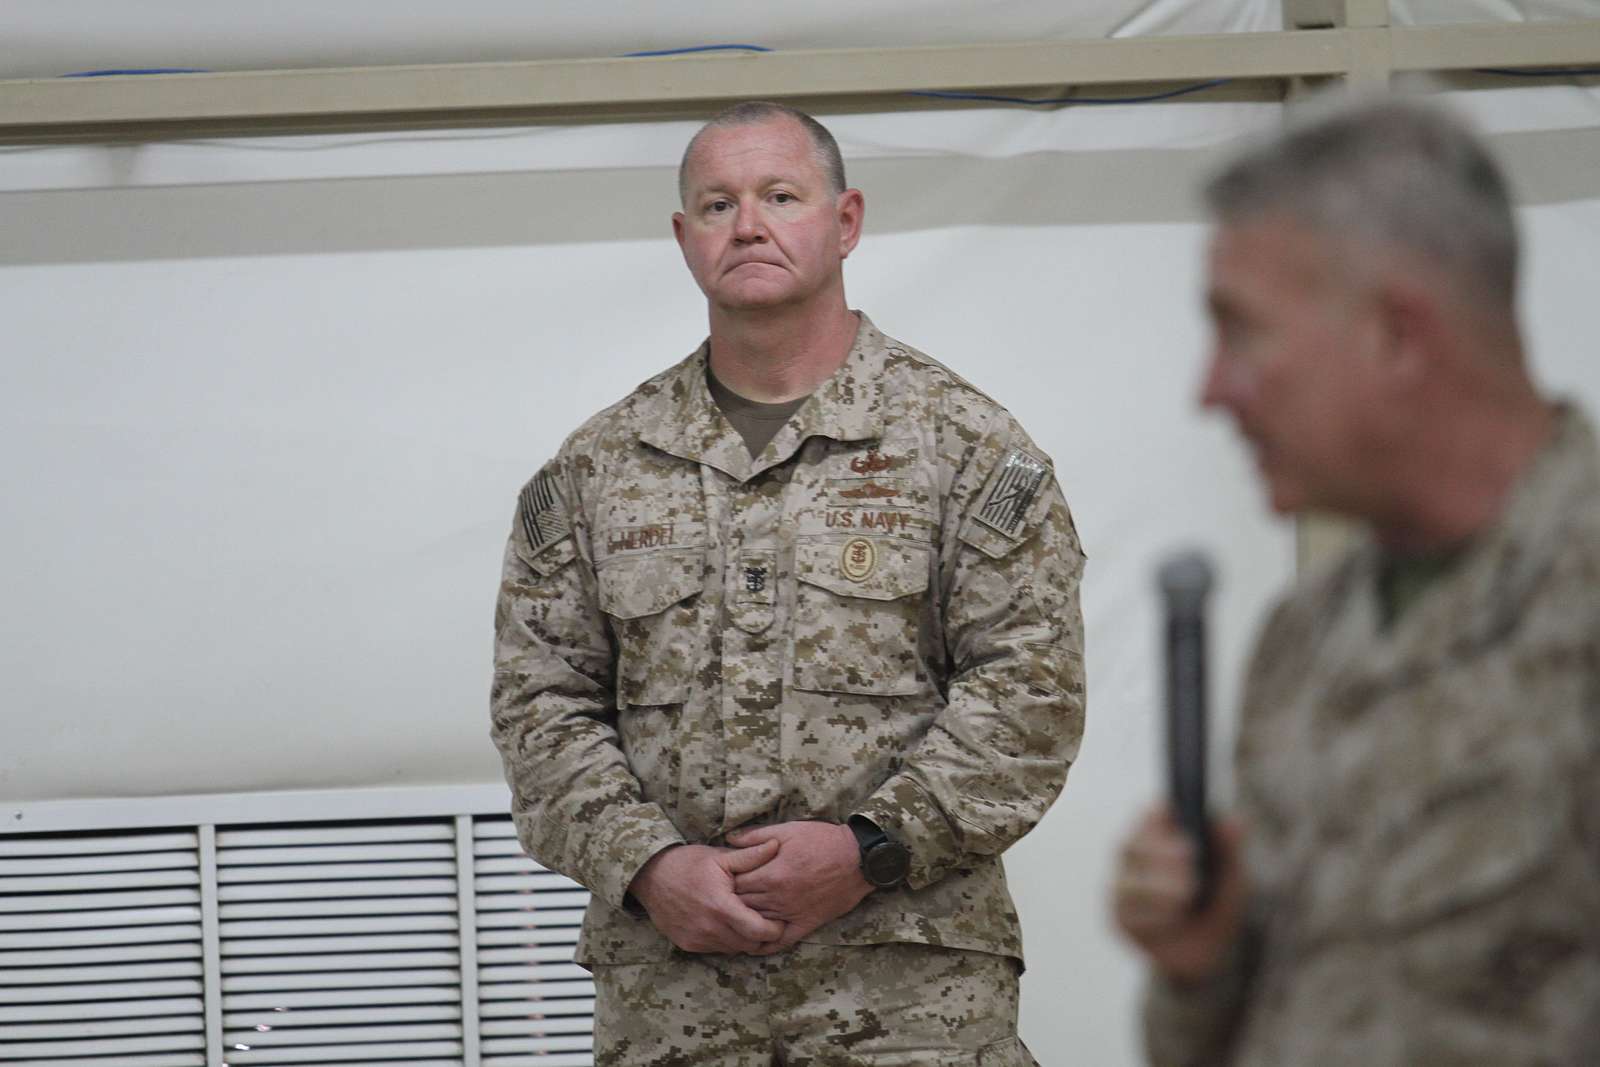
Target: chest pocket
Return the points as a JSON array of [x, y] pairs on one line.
[[858, 613], [653, 601]]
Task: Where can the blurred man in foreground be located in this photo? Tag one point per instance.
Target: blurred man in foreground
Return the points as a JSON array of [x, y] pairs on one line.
[[1414, 875]]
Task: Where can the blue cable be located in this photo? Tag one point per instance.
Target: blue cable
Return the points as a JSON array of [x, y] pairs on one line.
[[1505, 72], [948, 95], [118, 73], [698, 48], [1549, 72], [625, 55], [1099, 100]]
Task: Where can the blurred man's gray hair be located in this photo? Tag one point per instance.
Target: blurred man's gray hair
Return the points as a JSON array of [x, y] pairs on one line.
[[1394, 171], [752, 112]]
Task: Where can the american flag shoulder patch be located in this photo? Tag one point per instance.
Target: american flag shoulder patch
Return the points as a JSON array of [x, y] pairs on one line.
[[1013, 488], [539, 509]]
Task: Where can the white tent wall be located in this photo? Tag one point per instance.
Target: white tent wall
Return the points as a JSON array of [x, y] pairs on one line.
[[261, 518], [267, 405]]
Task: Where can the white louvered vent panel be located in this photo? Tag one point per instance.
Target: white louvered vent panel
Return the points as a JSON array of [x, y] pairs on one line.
[[100, 950], [536, 1007], [340, 944]]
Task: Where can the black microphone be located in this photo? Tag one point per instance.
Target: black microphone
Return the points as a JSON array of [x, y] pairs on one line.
[[1185, 581]]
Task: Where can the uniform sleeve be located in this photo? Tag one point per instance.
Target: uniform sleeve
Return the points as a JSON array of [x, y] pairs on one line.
[[578, 807], [997, 755], [1194, 1025]]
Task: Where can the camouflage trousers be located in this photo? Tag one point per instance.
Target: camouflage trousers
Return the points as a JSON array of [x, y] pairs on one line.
[[894, 1005]]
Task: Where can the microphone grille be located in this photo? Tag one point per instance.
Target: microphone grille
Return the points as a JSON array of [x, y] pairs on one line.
[[1185, 579]]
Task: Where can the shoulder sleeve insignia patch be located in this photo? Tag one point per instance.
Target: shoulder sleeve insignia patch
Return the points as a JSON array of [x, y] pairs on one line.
[[1012, 488], [539, 508]]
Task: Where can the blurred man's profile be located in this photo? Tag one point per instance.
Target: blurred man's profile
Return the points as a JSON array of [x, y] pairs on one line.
[[1413, 873]]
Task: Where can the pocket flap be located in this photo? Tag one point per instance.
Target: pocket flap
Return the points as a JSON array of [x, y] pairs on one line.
[[876, 568], [638, 585]]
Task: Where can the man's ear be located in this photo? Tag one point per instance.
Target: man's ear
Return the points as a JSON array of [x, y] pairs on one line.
[[1411, 329], [851, 209], [677, 228]]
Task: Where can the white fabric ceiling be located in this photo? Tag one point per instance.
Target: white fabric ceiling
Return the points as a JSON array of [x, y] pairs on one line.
[[47, 38]]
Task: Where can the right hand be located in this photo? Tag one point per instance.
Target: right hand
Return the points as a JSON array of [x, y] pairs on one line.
[[688, 892], [1154, 889]]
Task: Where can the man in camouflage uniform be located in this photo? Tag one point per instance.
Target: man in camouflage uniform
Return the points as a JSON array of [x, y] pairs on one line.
[[1415, 876], [788, 653]]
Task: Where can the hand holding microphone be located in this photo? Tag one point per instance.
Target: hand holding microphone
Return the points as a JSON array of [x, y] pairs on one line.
[[1179, 889]]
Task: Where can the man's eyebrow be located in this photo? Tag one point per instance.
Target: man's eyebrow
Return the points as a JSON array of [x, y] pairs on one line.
[[766, 182]]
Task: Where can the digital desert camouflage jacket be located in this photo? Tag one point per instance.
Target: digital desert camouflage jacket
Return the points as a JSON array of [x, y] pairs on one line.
[[1423, 807], [878, 615]]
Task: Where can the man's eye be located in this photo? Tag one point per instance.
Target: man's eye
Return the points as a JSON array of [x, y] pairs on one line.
[[783, 198], [716, 207], [1237, 335]]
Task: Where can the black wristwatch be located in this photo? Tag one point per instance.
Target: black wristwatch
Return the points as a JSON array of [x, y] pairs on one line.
[[884, 861]]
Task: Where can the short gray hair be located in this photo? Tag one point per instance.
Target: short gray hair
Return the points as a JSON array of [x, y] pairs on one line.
[[1393, 171], [754, 112]]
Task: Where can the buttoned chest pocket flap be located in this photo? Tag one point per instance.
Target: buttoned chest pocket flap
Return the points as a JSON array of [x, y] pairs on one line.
[[859, 606], [654, 604]]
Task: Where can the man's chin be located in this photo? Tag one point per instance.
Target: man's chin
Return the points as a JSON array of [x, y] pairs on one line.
[[1282, 498], [754, 299]]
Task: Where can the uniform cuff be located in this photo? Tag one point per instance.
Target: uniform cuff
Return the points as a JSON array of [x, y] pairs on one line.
[[623, 844], [909, 815], [1188, 1023]]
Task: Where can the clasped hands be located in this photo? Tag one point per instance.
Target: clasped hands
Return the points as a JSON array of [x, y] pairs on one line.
[[769, 888]]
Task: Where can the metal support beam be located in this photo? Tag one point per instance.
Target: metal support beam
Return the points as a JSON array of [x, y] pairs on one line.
[[1520, 44], [1371, 55], [555, 90], [1360, 47]]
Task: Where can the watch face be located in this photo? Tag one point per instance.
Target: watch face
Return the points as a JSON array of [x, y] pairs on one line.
[[886, 864]]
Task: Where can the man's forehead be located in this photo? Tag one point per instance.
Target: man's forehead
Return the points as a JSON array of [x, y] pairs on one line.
[[1272, 248], [780, 142]]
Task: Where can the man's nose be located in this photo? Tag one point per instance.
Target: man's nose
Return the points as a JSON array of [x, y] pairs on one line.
[[1221, 385], [748, 226]]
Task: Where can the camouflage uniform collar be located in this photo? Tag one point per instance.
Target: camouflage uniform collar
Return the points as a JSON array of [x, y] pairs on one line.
[[683, 420], [1483, 596], [1520, 547]]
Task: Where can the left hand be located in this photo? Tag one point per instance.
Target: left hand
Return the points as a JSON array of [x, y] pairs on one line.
[[815, 877]]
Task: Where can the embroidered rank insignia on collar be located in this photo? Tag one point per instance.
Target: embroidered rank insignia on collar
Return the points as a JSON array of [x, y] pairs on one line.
[[873, 463], [1012, 489], [544, 520]]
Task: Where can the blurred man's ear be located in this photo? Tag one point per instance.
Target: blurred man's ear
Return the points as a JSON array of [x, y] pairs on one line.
[[1410, 326]]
